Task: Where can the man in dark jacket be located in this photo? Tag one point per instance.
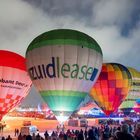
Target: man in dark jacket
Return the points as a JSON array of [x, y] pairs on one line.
[[124, 133]]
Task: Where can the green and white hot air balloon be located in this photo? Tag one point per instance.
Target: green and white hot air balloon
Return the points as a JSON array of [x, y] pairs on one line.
[[63, 65]]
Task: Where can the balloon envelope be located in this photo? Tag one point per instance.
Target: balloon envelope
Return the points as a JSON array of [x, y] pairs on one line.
[[138, 101], [63, 65], [112, 87], [137, 108], [14, 81], [42, 107], [134, 92]]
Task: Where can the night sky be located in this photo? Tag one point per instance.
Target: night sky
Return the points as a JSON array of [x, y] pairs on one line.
[[114, 24]]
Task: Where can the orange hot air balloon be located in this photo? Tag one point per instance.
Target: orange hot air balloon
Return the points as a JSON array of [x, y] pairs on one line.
[[111, 87], [14, 81]]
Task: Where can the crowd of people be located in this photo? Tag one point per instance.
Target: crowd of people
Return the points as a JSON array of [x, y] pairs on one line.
[[103, 132]]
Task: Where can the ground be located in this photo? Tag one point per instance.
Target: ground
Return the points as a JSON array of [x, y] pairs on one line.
[[42, 125]]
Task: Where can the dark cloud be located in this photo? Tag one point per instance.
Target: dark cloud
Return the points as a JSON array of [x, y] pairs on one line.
[[131, 58], [122, 13], [64, 7], [114, 24]]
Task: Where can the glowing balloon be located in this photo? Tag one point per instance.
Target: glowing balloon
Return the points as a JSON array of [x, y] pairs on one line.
[[63, 65], [134, 92], [43, 107], [84, 102], [137, 106], [88, 106], [138, 101], [112, 87], [14, 81]]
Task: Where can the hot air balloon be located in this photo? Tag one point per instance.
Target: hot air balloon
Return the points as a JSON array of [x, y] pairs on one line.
[[42, 107], [14, 81], [138, 101], [111, 88], [137, 106], [134, 92], [63, 65], [87, 107]]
